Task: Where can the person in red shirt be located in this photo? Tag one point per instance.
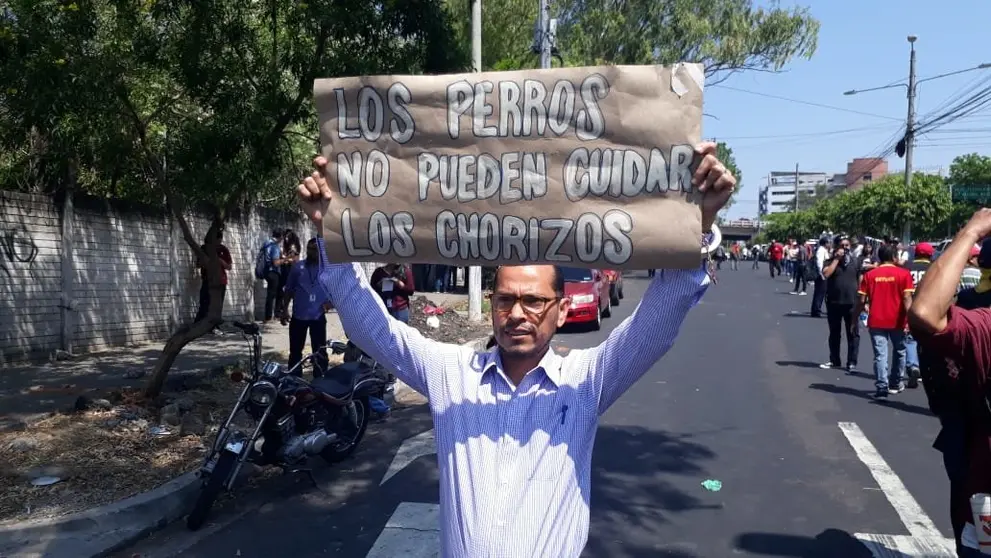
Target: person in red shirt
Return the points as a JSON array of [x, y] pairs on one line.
[[888, 290], [774, 254], [964, 337], [394, 283]]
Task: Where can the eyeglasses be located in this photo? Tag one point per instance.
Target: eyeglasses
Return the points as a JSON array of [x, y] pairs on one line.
[[531, 304]]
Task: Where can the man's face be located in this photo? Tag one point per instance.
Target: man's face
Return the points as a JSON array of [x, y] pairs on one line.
[[845, 245], [526, 311]]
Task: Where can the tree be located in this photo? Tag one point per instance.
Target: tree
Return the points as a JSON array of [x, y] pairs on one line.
[[878, 209], [724, 35], [725, 154], [971, 170], [197, 102]]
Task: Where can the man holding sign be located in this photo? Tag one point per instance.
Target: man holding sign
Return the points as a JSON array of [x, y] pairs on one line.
[[515, 425]]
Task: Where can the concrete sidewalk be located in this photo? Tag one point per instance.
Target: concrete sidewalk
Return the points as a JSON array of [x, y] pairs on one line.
[[29, 392]]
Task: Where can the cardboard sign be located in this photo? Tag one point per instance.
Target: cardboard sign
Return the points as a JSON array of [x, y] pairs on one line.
[[582, 167]]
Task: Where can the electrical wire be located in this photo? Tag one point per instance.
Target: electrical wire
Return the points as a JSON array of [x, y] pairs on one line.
[[809, 103]]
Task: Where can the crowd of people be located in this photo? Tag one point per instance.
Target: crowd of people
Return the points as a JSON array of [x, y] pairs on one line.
[[928, 316]]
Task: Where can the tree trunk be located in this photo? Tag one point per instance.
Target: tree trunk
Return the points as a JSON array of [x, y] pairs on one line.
[[190, 332]]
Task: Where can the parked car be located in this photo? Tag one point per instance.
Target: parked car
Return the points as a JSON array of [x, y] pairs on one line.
[[615, 278], [588, 290]]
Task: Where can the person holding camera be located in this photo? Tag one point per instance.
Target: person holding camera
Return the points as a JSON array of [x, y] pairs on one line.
[[841, 272], [394, 283]]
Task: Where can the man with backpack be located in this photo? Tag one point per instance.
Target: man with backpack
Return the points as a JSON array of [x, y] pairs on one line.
[[267, 264]]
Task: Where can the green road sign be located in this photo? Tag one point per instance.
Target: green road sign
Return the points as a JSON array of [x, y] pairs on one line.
[[979, 194]]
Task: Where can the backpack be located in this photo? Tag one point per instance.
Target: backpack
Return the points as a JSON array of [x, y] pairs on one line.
[[262, 261]]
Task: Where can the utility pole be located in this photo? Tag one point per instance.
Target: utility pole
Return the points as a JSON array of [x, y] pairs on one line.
[[909, 134], [475, 272], [796, 188], [545, 30]]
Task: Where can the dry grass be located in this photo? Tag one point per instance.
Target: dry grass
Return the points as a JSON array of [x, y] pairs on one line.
[[100, 463]]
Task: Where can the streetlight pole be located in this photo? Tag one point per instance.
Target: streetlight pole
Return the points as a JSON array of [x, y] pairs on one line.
[[475, 272], [544, 34], [909, 138], [909, 134]]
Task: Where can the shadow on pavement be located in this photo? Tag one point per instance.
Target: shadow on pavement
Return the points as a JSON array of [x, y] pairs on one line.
[[831, 543], [893, 403], [635, 490], [797, 363]]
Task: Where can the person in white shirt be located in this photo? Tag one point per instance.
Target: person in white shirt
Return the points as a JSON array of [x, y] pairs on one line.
[[819, 287]]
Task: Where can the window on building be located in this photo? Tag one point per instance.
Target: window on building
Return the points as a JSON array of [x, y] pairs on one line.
[[867, 177]]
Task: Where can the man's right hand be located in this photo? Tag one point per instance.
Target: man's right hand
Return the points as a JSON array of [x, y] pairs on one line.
[[979, 226], [314, 192], [839, 253]]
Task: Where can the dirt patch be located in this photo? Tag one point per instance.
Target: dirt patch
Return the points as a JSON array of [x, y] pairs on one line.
[[452, 327], [111, 448]]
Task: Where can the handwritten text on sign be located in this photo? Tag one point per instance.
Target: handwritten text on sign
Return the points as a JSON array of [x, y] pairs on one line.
[[584, 166]]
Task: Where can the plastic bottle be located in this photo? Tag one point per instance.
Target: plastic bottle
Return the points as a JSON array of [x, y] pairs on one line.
[[863, 318]]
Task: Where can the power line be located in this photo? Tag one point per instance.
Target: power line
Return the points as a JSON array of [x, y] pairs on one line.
[[809, 103], [805, 134]]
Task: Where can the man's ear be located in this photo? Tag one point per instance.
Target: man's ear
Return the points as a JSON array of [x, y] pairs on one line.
[[563, 306]]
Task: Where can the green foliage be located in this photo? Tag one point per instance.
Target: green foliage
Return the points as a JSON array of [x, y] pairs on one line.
[[971, 170], [200, 101], [725, 35], [725, 154], [880, 208]]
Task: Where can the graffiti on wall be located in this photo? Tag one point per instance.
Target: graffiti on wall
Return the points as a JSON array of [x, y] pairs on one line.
[[17, 249]]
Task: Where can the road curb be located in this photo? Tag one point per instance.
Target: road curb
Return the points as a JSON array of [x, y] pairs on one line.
[[403, 393], [101, 531], [97, 532]]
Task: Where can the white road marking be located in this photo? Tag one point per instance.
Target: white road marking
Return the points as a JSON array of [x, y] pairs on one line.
[[411, 449], [925, 541], [413, 531]]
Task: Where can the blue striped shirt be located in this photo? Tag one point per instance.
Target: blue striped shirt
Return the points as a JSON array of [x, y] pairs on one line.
[[515, 462]]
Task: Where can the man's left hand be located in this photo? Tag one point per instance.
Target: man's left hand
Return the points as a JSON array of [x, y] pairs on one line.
[[714, 181]]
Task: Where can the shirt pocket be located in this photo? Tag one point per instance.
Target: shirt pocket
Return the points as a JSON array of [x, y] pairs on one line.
[[557, 443]]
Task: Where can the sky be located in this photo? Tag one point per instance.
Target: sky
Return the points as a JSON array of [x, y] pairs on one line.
[[862, 44]]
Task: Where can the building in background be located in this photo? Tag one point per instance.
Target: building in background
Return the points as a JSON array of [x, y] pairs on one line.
[[778, 196], [860, 172]]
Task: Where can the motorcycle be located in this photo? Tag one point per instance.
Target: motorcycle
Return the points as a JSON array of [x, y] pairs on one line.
[[295, 419]]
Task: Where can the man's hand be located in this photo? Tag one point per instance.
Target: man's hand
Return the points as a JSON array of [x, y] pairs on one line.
[[714, 181], [839, 253], [979, 226], [314, 192]]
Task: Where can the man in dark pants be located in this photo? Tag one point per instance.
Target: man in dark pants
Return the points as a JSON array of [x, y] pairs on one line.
[[305, 287], [224, 256], [819, 285], [273, 256], [842, 274]]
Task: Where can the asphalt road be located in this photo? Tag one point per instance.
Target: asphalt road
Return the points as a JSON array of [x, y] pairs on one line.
[[740, 399]]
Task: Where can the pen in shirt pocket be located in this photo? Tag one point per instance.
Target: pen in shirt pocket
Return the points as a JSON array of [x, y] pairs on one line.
[[564, 413]]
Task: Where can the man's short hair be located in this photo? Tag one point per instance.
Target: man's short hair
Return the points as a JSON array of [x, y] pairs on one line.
[[557, 281], [277, 233], [886, 253]]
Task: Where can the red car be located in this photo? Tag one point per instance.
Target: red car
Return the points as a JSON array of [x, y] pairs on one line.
[[615, 278], [588, 290]]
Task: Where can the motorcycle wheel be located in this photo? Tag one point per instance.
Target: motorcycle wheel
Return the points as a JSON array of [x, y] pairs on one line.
[[210, 490], [348, 441]]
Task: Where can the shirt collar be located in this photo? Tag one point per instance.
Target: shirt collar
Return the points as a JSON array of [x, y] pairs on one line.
[[550, 365]]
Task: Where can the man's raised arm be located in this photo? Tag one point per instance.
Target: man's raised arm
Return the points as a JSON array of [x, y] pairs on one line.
[[399, 347], [368, 325], [934, 294], [643, 338]]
